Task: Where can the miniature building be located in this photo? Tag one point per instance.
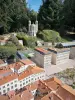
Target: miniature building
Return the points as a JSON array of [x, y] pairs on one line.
[[3, 42], [51, 89], [59, 55], [2, 63], [42, 57], [33, 28], [72, 52], [20, 74]]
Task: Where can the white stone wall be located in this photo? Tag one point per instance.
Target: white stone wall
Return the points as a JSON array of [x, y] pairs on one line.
[[47, 60], [60, 58], [33, 92], [33, 28], [72, 52], [18, 84], [12, 85], [21, 42], [5, 64], [42, 60], [2, 43], [22, 68]]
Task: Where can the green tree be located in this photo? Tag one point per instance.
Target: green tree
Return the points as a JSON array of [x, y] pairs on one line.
[[6, 52], [69, 13], [33, 15], [13, 14], [15, 41], [48, 15]]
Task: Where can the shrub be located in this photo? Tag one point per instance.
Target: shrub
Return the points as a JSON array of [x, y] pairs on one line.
[[27, 40], [49, 35], [6, 52], [15, 42]]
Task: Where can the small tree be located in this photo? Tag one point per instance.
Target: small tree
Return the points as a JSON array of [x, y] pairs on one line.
[[6, 52]]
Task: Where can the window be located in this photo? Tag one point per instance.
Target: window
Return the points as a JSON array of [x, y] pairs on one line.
[[7, 84], [8, 89], [4, 91], [16, 81], [0, 88], [3, 86], [29, 80], [20, 84], [23, 83], [11, 87], [0, 93], [32, 79], [11, 82], [15, 85]]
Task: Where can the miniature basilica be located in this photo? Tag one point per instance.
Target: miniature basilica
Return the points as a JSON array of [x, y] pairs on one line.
[[33, 28]]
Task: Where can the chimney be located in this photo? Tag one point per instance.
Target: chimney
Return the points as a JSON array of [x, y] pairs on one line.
[[21, 95]]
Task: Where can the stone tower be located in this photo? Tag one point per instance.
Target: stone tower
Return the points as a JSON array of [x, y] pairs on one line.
[[33, 28]]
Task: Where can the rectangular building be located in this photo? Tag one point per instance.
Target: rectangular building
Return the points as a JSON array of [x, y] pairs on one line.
[[16, 76], [42, 57], [59, 56]]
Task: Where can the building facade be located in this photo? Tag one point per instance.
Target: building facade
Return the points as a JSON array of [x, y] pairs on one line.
[[15, 80], [59, 56], [42, 57], [33, 28]]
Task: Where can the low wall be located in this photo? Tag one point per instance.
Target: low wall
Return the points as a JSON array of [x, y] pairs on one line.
[[72, 53]]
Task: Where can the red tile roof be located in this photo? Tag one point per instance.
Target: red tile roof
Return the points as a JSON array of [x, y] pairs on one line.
[[31, 70], [26, 61], [25, 95], [41, 50], [1, 61], [8, 79]]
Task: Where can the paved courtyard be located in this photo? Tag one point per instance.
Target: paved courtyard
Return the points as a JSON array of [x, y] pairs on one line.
[[58, 68]]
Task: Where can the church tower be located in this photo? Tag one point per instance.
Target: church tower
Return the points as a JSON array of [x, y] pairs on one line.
[[29, 27], [36, 23], [33, 28]]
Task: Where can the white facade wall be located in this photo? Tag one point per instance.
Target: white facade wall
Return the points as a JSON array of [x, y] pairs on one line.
[[42, 60], [33, 28], [18, 84], [72, 52], [2, 43], [59, 58], [22, 68], [31, 79], [5, 64], [33, 92], [12, 85]]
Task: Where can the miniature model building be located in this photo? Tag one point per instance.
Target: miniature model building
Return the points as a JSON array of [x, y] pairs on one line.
[[72, 52], [59, 55], [33, 28], [17, 75], [42, 57], [51, 89]]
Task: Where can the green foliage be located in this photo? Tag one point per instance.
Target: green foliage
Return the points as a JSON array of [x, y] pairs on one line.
[[49, 35], [27, 40], [6, 52], [32, 15], [10, 44], [49, 14], [14, 42], [69, 12], [13, 14]]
